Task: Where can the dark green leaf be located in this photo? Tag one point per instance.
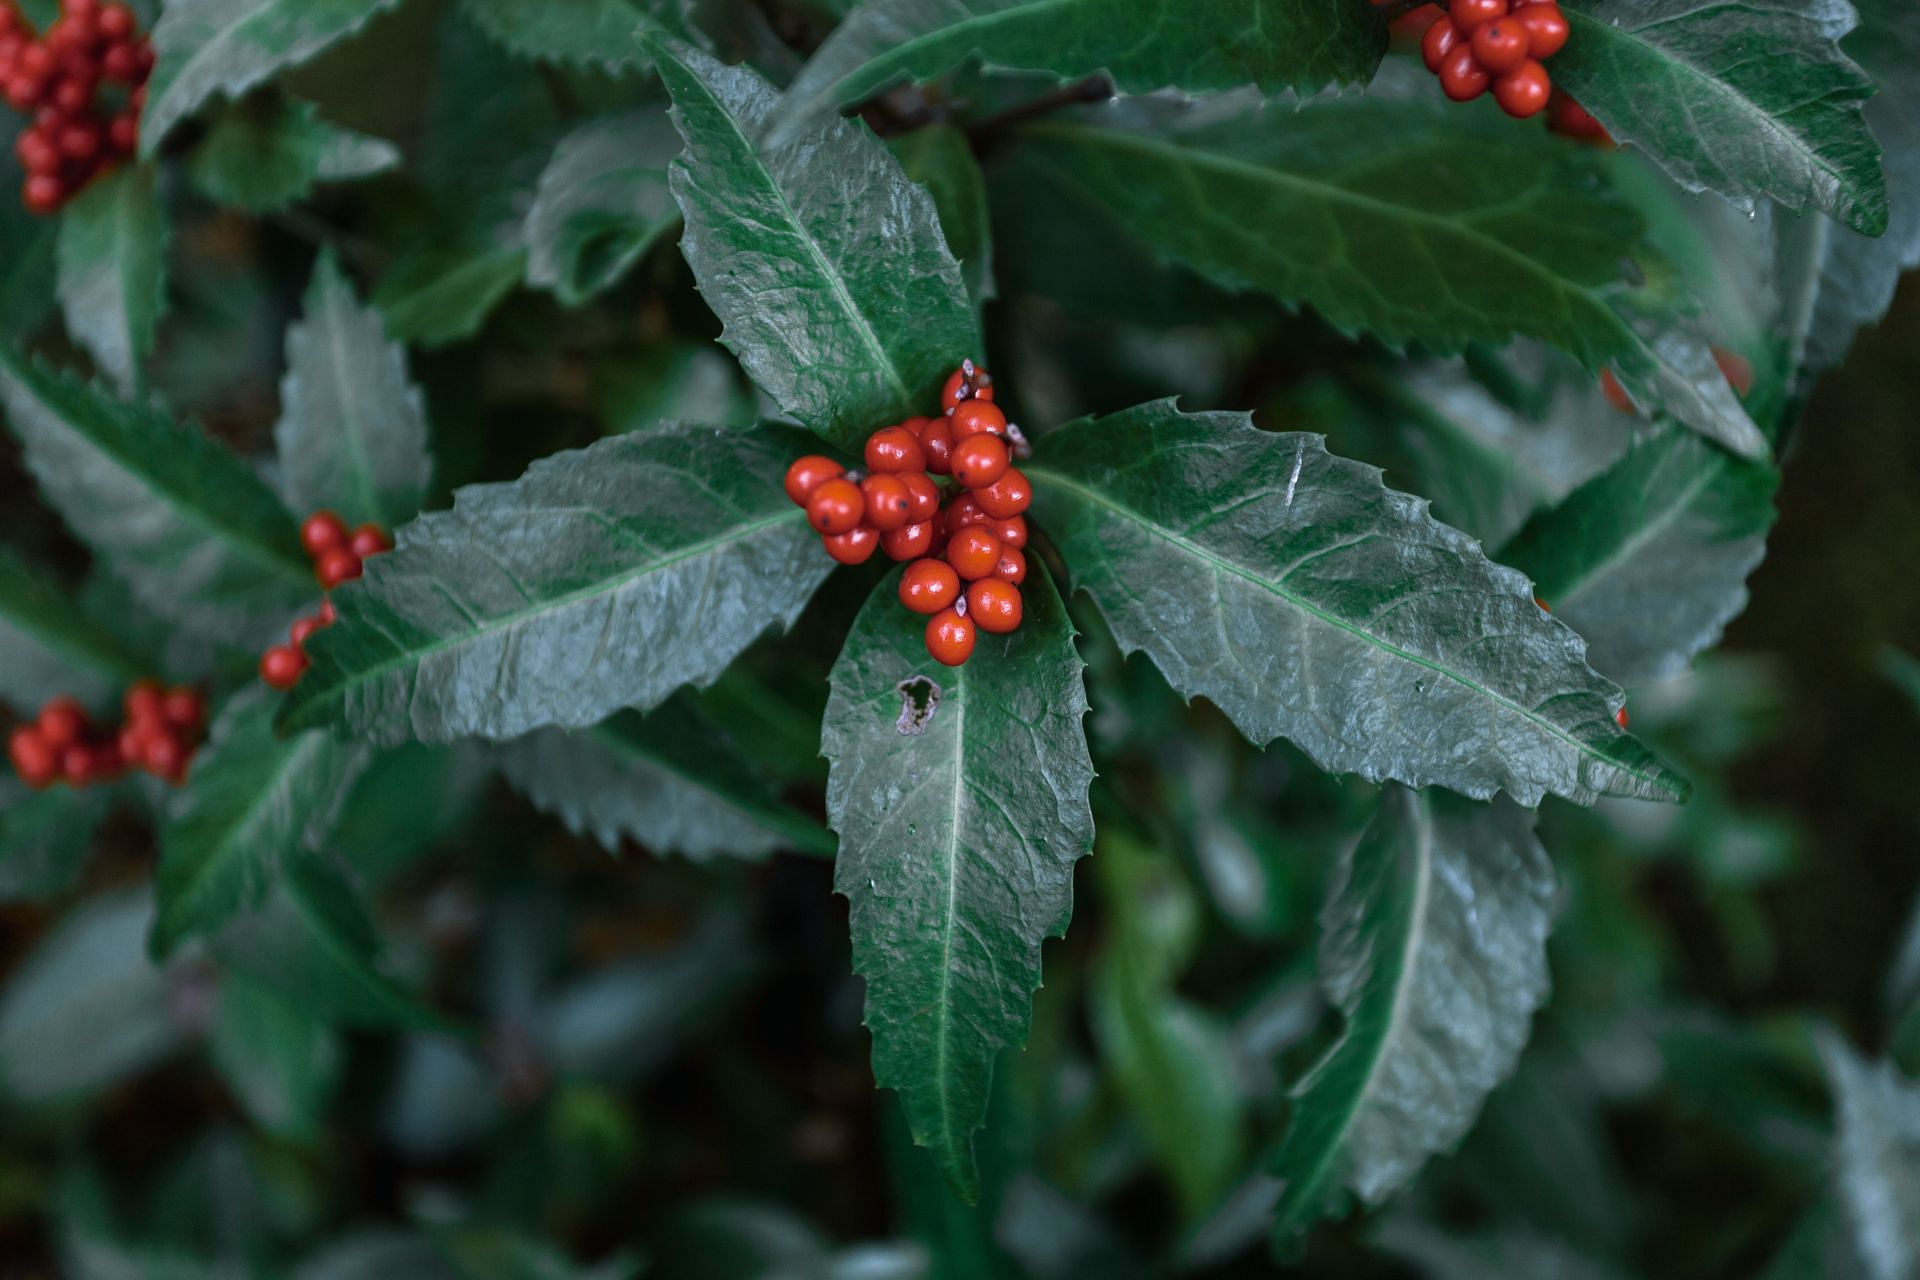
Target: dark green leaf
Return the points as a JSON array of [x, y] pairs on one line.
[[48, 642], [279, 1060], [826, 263], [190, 527], [602, 33], [1142, 45], [434, 296], [264, 156], [1306, 600], [253, 804], [1876, 1159], [1748, 98], [1516, 1254], [352, 433], [1433, 946], [1397, 220], [671, 382], [45, 839], [960, 796], [209, 48], [113, 271], [603, 578], [602, 203], [27, 252], [939, 159], [1648, 561], [666, 781]]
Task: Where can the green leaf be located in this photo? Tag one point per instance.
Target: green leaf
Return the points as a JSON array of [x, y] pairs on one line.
[[48, 642], [253, 804], [1748, 98], [1397, 220], [281, 1062], [939, 159], [263, 156], [436, 296], [1512, 1254], [603, 578], [352, 433], [638, 389], [1305, 599], [960, 796], [113, 271], [1649, 560], [825, 262], [209, 48], [1876, 1159], [1433, 947], [45, 839], [599, 33], [602, 203], [666, 781], [194, 532], [1142, 45]]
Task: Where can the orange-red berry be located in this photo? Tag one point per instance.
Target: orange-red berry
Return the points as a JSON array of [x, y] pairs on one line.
[[923, 493], [282, 666], [1500, 46], [184, 710], [957, 392], [1013, 565], [809, 473], [975, 417], [1012, 531], [369, 540], [950, 637], [928, 586], [973, 553], [909, 541], [1006, 497], [37, 763], [145, 700], [1461, 77], [1546, 29], [936, 442], [981, 459], [323, 532], [965, 511], [836, 507], [888, 503], [63, 722], [994, 605], [1523, 92], [1470, 15], [855, 546], [893, 449], [1440, 40], [337, 567]]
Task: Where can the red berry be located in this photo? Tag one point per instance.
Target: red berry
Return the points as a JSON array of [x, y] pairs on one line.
[[337, 567], [132, 741], [76, 765], [889, 505], [893, 449], [1470, 15], [1541, 605], [36, 151], [1620, 717], [950, 637], [1012, 566], [936, 442], [855, 546], [23, 91], [1012, 531], [165, 756], [973, 553], [928, 586], [923, 495], [916, 425], [109, 762], [82, 141], [368, 541], [1441, 39], [123, 133], [957, 389], [282, 666], [976, 416], [145, 701], [1006, 497], [120, 63], [328, 614], [36, 60], [1461, 77], [63, 722], [809, 473], [981, 459], [1523, 92], [323, 532], [965, 511], [1500, 46], [1737, 372], [37, 763], [116, 22], [836, 507], [302, 631], [44, 194], [994, 606], [1545, 27], [1569, 119], [1615, 393], [909, 541], [184, 710]]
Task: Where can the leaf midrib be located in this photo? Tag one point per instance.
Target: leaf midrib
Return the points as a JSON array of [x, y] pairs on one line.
[[1640, 537], [1220, 564], [338, 312]]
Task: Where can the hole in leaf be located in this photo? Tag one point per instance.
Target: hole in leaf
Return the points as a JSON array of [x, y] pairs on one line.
[[919, 699]]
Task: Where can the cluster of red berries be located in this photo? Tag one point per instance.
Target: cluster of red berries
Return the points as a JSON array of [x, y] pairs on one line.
[[973, 533], [59, 78], [338, 556], [161, 732], [1481, 43]]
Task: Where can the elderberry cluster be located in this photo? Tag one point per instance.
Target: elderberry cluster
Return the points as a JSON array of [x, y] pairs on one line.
[[84, 82], [1487, 42], [159, 736], [338, 556], [974, 533]]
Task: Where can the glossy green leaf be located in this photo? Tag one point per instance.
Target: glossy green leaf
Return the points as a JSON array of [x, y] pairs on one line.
[[666, 781], [1748, 98], [113, 271], [671, 382], [960, 796], [436, 298], [1306, 600], [825, 262], [603, 578], [49, 642], [1433, 948], [601, 33], [281, 1062], [602, 203], [352, 434], [1876, 1159], [46, 838], [262, 156], [1394, 219], [222, 48], [191, 528], [1649, 560], [27, 252], [1142, 45], [253, 804], [939, 158]]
